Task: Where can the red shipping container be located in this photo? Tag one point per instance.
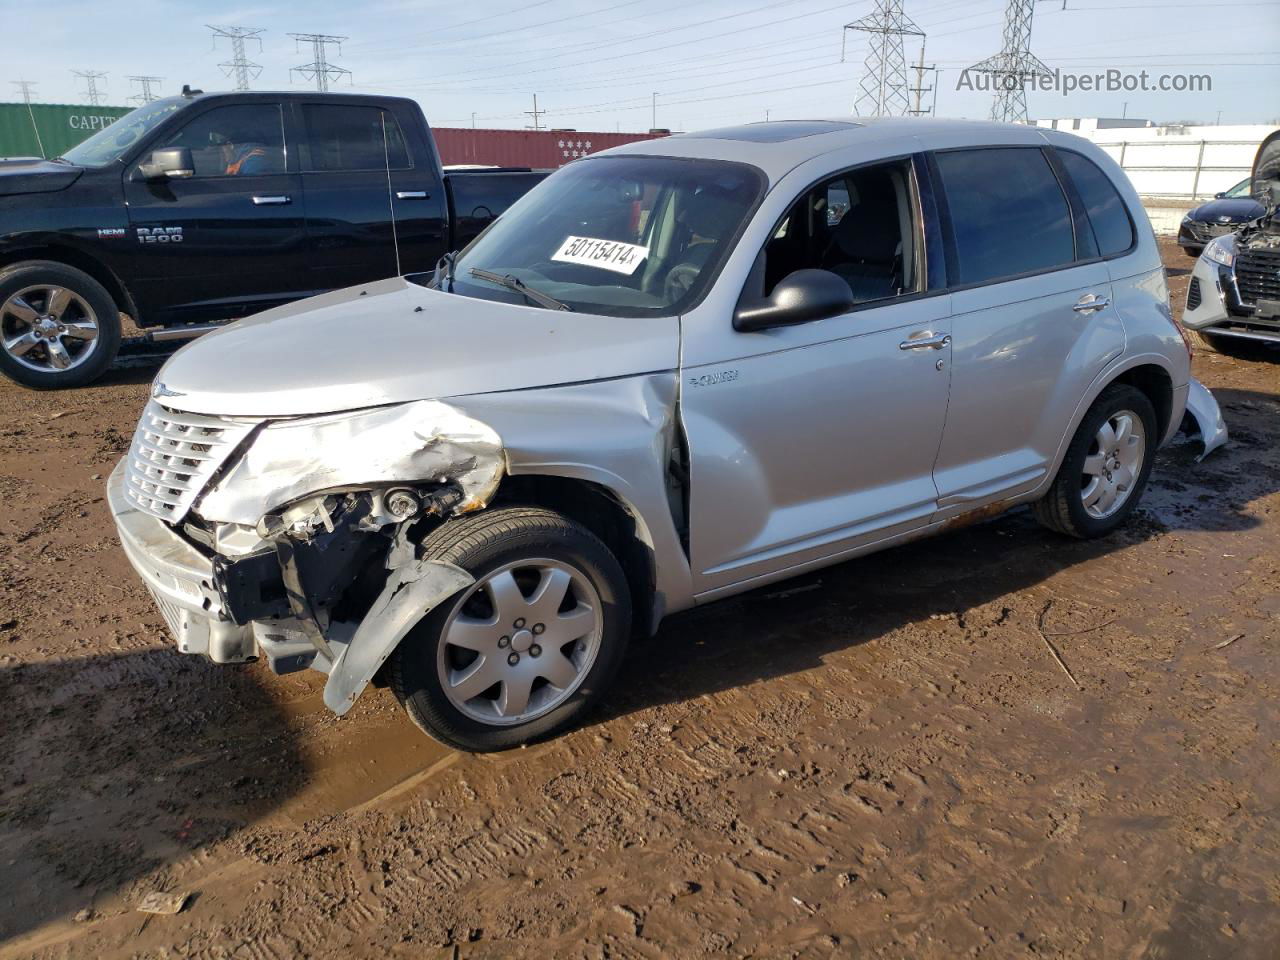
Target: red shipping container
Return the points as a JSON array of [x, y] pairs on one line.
[[525, 148]]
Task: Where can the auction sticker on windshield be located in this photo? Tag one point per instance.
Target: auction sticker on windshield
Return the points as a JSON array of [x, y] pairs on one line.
[[606, 254]]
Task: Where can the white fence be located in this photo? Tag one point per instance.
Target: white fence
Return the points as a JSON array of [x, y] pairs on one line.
[[1194, 169]]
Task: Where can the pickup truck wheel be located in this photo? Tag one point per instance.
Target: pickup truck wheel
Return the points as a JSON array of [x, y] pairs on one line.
[[58, 326], [524, 651], [1106, 467]]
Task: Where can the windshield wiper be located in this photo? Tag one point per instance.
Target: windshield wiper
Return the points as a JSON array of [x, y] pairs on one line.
[[520, 287]]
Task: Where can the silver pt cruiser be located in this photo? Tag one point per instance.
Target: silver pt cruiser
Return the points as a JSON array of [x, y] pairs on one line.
[[672, 372]]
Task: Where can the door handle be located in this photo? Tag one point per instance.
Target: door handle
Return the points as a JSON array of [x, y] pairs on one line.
[[934, 342], [1090, 302], [270, 201], [411, 194]]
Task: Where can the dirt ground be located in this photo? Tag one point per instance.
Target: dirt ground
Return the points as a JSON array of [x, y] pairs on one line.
[[879, 760]]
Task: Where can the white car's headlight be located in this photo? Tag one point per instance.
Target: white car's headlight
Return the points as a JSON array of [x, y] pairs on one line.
[[1221, 250], [421, 442]]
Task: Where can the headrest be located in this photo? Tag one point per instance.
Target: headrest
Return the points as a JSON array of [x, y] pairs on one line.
[[870, 231]]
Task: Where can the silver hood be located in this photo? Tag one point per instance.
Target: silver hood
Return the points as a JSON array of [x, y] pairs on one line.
[[393, 342]]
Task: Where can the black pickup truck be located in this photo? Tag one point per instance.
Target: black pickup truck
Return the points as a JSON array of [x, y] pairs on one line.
[[208, 207]]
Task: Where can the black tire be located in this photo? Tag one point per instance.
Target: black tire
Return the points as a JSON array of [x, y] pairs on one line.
[[32, 273], [481, 544], [1193, 252], [1062, 509]]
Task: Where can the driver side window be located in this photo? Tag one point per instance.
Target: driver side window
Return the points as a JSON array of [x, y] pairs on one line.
[[858, 225], [235, 141]]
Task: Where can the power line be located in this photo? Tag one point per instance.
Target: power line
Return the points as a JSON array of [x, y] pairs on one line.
[[91, 78], [145, 94], [240, 68], [884, 75], [1014, 65], [320, 69]]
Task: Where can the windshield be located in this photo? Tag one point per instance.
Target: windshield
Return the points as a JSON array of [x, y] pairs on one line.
[[1241, 189], [110, 142], [620, 236]]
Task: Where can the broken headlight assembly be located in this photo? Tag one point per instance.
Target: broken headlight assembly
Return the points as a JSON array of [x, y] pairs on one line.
[[426, 442]]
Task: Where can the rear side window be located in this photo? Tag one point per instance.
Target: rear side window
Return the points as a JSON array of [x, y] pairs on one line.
[[1111, 225], [1008, 213], [351, 138]]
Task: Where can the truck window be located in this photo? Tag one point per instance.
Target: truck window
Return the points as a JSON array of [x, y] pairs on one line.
[[238, 140], [351, 138], [1008, 212], [1111, 225], [858, 225]]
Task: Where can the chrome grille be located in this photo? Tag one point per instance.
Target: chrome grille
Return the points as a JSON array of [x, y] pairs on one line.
[[1258, 274], [173, 456]]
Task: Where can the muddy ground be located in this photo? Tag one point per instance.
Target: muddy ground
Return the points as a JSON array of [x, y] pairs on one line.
[[882, 759]]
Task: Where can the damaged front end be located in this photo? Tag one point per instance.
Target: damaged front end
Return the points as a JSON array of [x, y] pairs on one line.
[[300, 543]]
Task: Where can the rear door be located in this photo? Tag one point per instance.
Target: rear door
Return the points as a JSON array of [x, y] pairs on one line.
[[1032, 320], [375, 205], [231, 239]]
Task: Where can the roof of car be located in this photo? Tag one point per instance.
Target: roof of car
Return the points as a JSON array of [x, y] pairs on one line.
[[778, 146]]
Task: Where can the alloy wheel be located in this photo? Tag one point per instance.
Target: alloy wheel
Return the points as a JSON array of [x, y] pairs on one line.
[[48, 328]]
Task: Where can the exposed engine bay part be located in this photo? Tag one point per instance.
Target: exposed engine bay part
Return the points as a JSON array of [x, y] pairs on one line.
[[1204, 410], [1266, 173], [426, 441]]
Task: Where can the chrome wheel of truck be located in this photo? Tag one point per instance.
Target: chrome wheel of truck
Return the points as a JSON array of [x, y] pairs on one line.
[[527, 648], [58, 326]]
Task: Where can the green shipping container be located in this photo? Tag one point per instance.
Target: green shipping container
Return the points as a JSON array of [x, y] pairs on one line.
[[50, 129]]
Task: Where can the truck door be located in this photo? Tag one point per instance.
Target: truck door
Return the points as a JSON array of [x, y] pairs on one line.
[[229, 240], [367, 193]]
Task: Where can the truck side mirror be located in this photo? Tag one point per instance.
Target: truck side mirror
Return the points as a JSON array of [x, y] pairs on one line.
[[168, 163], [1219, 196], [799, 297]]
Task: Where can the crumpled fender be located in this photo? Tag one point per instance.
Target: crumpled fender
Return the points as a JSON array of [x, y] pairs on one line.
[[1208, 417], [410, 592]]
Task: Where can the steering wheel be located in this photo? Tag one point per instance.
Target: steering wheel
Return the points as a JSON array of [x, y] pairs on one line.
[[680, 280]]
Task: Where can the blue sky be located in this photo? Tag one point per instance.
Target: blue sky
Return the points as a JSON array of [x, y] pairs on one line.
[[596, 65]]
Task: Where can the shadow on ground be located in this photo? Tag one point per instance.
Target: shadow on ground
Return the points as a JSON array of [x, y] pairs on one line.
[[115, 767]]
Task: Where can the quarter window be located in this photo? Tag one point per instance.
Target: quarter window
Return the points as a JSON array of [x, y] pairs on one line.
[[235, 141], [1111, 225], [351, 138], [1008, 213]]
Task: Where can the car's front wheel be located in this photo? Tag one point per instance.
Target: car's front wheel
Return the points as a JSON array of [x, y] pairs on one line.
[[525, 650], [1105, 468], [58, 326]]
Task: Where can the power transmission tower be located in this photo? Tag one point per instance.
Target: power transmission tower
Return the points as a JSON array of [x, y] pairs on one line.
[[920, 89], [91, 78], [535, 113], [145, 95], [240, 68], [1014, 65], [320, 69], [884, 76], [26, 88]]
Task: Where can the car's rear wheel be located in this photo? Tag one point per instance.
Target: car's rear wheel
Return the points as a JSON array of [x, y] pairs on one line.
[[1106, 467], [525, 650], [58, 326]]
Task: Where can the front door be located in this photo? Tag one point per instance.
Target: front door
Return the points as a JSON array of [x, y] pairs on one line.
[[229, 240], [818, 439]]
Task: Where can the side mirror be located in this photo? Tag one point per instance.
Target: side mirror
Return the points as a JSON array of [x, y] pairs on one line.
[[168, 163], [799, 297], [1219, 196]]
